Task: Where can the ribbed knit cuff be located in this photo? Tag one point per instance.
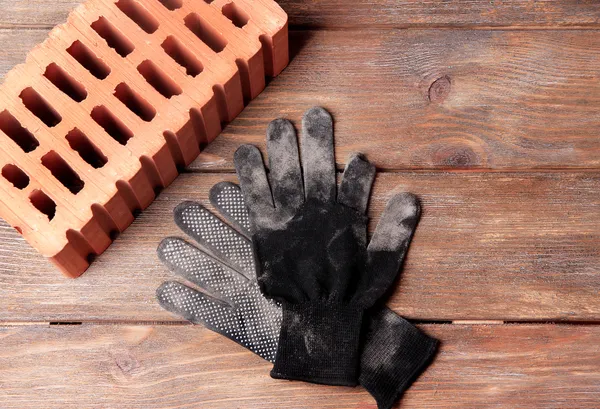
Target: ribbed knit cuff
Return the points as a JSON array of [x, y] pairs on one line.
[[394, 355], [319, 343]]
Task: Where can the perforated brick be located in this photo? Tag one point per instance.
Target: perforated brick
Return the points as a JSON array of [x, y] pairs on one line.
[[105, 110]]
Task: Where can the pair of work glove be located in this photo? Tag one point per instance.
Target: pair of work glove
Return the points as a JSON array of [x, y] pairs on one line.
[[291, 276]]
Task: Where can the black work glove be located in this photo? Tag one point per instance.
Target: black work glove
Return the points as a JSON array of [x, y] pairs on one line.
[[311, 246], [393, 351]]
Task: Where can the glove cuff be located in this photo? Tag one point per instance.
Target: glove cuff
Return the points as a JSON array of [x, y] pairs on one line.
[[319, 343], [395, 354]]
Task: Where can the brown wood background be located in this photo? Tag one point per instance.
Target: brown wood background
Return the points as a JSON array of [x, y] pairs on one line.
[[488, 110]]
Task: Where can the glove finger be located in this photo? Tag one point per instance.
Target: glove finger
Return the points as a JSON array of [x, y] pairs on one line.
[[192, 264], [318, 162], [388, 245], [284, 165], [198, 308], [253, 180], [397, 225], [355, 188], [227, 198], [255, 326], [221, 240]]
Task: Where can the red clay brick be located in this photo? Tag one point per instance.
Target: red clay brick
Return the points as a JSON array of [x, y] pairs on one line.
[[103, 112]]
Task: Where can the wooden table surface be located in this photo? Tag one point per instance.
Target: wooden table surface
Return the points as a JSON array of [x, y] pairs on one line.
[[487, 110]]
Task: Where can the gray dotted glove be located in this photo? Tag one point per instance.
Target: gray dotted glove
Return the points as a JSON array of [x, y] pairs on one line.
[[223, 267], [221, 264]]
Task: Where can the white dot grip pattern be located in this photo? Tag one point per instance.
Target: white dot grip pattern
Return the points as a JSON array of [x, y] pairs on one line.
[[221, 240], [235, 307], [192, 264], [227, 198]]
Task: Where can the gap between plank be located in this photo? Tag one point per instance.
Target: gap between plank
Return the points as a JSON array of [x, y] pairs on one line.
[[381, 27], [374, 27], [340, 169], [185, 323]]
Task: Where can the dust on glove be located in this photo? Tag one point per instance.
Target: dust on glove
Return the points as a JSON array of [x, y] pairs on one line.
[[311, 245], [220, 263]]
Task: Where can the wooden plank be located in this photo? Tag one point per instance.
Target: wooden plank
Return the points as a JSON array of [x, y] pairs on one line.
[[14, 46], [35, 13], [490, 246], [431, 99], [499, 366], [439, 99], [371, 13], [453, 13]]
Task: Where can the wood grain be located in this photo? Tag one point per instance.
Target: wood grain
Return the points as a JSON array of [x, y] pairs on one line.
[[490, 246], [35, 13], [498, 366], [515, 100], [430, 99], [453, 13], [14, 46], [369, 13], [515, 240]]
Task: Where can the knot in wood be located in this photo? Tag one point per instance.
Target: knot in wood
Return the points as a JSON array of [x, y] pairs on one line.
[[440, 89], [454, 156], [126, 363]]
